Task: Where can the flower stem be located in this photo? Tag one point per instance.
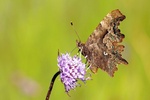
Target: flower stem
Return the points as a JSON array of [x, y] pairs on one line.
[[51, 85]]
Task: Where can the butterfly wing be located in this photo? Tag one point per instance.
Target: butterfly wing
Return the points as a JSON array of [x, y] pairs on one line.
[[103, 49]]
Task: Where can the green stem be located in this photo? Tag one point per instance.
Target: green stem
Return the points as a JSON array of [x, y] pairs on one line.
[[51, 85]]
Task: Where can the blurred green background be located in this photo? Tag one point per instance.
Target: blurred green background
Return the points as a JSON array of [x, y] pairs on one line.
[[32, 31]]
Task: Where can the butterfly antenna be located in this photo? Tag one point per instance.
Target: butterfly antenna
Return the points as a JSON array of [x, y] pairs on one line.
[[75, 30]]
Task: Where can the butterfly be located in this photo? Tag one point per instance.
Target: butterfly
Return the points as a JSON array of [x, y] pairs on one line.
[[103, 49]]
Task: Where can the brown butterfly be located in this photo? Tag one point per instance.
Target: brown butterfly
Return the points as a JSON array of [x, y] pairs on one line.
[[102, 49]]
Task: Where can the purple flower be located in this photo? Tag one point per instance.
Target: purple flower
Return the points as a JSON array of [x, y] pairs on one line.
[[72, 69]]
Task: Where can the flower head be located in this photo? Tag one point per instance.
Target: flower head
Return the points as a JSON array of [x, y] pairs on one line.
[[72, 69]]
